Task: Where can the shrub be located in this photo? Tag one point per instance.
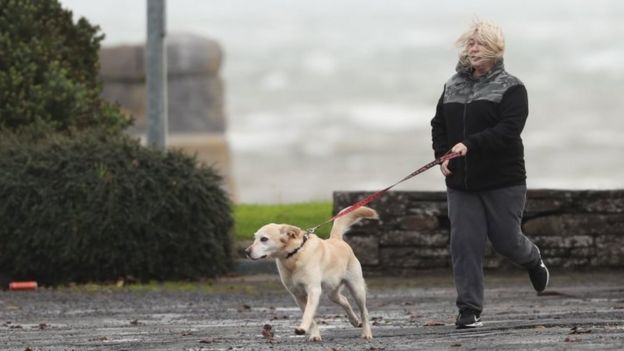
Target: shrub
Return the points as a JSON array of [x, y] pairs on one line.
[[97, 206], [49, 69]]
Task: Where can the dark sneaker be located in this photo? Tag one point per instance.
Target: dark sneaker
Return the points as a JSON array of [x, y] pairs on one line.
[[539, 276], [468, 319]]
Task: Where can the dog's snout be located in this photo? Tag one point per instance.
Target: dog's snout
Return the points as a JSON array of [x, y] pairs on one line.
[[248, 251]]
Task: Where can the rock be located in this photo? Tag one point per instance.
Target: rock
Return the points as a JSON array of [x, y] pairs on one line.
[[415, 238], [418, 222], [366, 248], [574, 224]]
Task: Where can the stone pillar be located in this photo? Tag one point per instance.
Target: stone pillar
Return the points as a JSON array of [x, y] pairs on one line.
[[197, 121]]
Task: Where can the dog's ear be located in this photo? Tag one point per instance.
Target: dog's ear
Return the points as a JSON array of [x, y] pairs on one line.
[[290, 230]]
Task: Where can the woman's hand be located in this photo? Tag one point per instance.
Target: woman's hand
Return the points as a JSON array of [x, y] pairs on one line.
[[459, 148], [444, 168]]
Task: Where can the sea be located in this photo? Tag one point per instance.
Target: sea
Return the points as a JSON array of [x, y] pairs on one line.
[[337, 95]]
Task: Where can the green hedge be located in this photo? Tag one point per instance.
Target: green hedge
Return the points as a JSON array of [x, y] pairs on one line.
[[49, 69], [95, 206]]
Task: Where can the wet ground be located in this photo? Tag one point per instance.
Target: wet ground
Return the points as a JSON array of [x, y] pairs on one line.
[[581, 311]]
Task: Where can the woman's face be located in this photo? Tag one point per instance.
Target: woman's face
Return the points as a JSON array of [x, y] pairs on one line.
[[475, 55]]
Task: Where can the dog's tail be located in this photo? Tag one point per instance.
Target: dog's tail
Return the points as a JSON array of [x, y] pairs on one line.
[[343, 223]]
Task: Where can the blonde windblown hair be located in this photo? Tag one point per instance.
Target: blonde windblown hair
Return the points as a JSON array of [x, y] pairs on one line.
[[489, 34]]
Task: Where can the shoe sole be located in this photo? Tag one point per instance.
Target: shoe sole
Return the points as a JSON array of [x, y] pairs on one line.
[[469, 326]]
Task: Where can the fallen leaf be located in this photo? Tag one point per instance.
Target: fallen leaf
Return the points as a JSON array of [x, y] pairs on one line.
[[434, 324], [100, 338], [207, 341], [276, 317], [577, 330], [456, 345], [267, 332]]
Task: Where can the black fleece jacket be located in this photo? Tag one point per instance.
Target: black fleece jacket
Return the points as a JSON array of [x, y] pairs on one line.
[[487, 114]]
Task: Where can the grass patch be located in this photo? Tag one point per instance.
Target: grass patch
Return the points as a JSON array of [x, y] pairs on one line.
[[250, 217]]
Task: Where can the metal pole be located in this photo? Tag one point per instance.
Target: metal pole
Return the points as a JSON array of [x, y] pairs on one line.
[[156, 74]]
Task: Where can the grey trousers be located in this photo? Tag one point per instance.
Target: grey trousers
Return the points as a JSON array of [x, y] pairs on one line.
[[476, 217]]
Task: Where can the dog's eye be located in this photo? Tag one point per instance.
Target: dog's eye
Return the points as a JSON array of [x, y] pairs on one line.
[[263, 239]]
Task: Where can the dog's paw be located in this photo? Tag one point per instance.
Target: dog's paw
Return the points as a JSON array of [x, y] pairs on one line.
[[367, 336], [314, 338], [300, 331]]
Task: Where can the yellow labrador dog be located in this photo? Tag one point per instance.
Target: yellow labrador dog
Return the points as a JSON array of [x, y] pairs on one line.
[[308, 264]]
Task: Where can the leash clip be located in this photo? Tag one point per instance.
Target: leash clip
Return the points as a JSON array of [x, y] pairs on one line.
[[310, 231]]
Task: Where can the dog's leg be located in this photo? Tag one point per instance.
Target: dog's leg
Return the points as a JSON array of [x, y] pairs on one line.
[[314, 294], [357, 286], [315, 334], [337, 297]]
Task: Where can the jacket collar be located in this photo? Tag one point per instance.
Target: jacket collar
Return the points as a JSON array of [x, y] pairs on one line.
[[466, 70]]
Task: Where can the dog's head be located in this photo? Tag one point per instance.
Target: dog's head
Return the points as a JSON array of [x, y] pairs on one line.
[[273, 241]]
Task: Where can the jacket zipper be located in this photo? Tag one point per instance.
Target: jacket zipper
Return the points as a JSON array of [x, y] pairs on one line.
[[464, 134]]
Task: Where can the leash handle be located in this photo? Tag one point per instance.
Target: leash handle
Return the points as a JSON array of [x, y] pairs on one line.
[[372, 197]]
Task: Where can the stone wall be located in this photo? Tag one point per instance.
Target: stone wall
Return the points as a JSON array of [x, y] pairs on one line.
[[572, 228]]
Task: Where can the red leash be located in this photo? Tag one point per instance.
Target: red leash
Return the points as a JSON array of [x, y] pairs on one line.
[[372, 197]]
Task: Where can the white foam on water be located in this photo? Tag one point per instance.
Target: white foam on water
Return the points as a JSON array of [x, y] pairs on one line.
[[320, 62], [386, 117], [275, 81], [558, 182]]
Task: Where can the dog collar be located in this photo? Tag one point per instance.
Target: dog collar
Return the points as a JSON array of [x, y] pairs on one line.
[[293, 252]]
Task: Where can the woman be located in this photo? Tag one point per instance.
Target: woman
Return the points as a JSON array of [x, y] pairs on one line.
[[481, 114]]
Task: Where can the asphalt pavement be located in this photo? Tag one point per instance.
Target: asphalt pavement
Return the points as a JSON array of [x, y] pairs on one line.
[[579, 311]]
